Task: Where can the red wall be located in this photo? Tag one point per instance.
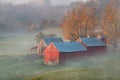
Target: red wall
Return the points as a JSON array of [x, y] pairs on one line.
[[63, 57], [96, 50], [51, 55]]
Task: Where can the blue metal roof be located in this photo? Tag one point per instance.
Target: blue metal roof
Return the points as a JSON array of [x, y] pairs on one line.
[[69, 46], [90, 42], [52, 39]]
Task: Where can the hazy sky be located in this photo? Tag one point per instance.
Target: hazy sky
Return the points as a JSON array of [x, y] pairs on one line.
[[60, 2], [54, 2]]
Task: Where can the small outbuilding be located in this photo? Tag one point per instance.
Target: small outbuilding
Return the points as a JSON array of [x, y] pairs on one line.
[[93, 45], [45, 42], [59, 52]]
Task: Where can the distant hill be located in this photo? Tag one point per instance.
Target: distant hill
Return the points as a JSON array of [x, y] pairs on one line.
[[21, 17], [36, 15]]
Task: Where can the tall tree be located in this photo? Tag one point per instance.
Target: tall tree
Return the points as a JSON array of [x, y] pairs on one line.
[[81, 21], [69, 25], [88, 21], [111, 23]]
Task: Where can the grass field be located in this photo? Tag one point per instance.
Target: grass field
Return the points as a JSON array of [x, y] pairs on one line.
[[18, 63], [16, 44], [102, 67], [24, 67], [77, 74], [27, 66], [14, 50]]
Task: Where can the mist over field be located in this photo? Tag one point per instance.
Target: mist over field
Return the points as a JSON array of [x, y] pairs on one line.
[[24, 17], [19, 25]]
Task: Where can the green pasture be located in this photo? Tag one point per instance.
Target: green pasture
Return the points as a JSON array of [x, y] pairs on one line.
[[17, 62]]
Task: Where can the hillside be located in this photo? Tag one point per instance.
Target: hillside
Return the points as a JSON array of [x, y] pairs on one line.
[[56, 31], [102, 67], [18, 64], [21, 17], [77, 74], [21, 24]]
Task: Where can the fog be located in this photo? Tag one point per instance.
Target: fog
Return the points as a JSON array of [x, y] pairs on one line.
[[53, 2], [29, 17], [18, 62], [20, 18]]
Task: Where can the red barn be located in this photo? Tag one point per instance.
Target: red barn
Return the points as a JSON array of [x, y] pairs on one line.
[[93, 45], [45, 42], [59, 52]]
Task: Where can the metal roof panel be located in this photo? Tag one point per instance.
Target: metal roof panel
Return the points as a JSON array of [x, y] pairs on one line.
[[52, 39], [91, 42], [70, 46]]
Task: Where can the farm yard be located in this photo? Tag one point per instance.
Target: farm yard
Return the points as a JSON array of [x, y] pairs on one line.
[[18, 63]]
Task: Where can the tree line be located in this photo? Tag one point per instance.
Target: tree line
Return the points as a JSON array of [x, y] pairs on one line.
[[84, 20]]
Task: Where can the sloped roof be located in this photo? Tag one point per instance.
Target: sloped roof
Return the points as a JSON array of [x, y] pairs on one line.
[[69, 46], [52, 39], [91, 42]]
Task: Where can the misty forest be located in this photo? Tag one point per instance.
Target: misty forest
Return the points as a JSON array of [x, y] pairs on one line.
[[24, 28]]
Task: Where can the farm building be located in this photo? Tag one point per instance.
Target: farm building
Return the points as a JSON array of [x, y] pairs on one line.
[[59, 52], [102, 37], [93, 45], [45, 42]]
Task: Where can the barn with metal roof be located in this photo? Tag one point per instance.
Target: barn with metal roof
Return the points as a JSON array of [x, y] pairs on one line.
[[45, 42], [59, 52], [93, 45]]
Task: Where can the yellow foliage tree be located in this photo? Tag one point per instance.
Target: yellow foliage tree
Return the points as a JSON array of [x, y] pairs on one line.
[[80, 22], [111, 23]]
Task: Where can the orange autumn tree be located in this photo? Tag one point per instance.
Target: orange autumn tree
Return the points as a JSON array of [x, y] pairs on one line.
[[70, 26], [80, 22], [88, 21], [111, 23]]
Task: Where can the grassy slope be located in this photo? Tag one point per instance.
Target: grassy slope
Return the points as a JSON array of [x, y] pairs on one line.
[[16, 44], [56, 31], [17, 67], [16, 60], [103, 67], [27, 66], [77, 74], [22, 67], [14, 66]]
